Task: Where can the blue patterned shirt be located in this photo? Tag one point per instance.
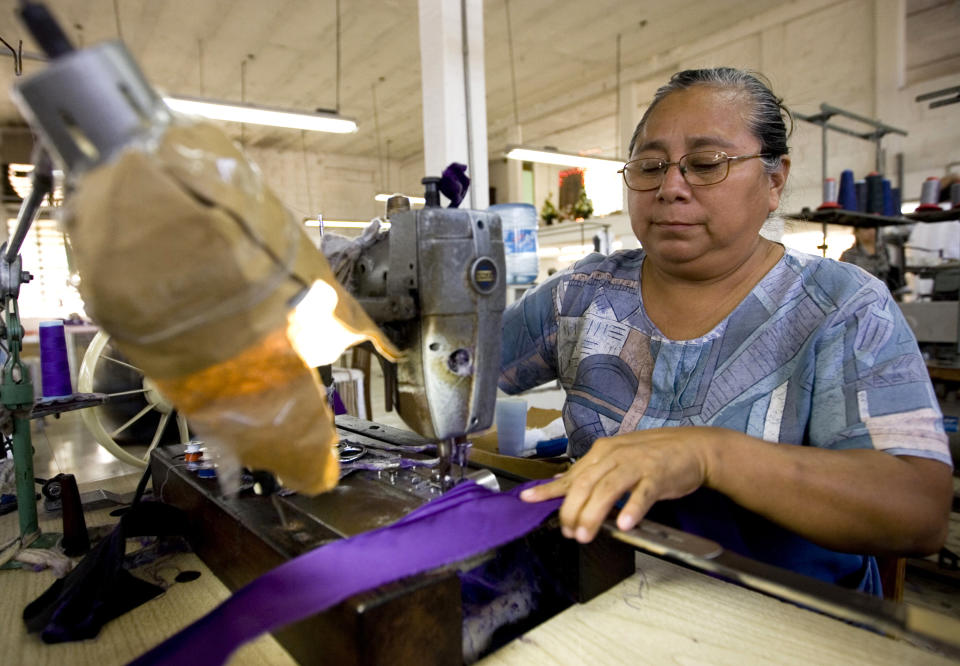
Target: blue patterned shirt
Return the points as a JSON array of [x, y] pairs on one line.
[[818, 354]]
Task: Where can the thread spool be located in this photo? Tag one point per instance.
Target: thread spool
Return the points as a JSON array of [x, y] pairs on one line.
[[54, 366], [887, 192], [193, 454], [874, 203], [847, 197], [829, 195], [207, 470], [930, 194], [861, 187], [955, 195], [897, 200]]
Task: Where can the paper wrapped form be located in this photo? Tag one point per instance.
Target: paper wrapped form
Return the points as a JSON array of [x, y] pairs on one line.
[[192, 265]]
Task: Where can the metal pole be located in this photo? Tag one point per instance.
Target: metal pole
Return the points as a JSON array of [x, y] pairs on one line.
[[823, 177], [17, 396], [41, 186]]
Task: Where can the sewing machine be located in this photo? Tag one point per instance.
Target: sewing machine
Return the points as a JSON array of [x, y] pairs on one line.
[[436, 283]]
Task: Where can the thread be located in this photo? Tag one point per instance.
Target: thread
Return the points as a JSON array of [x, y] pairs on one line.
[[193, 455], [829, 194], [861, 187], [874, 202], [955, 195], [847, 198], [930, 194], [887, 193], [54, 366]]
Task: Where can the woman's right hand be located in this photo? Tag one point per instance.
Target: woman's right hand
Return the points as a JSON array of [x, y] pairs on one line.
[[651, 465]]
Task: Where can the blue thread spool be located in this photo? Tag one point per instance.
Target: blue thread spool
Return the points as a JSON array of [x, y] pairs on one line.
[[888, 209], [848, 191], [55, 368], [874, 193], [861, 188]]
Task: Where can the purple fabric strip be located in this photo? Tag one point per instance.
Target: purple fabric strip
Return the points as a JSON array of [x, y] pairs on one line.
[[464, 522]]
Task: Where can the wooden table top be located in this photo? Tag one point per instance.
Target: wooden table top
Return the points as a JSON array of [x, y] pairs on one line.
[[667, 614], [662, 614]]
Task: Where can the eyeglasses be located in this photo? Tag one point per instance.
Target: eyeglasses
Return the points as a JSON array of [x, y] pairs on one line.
[[708, 167]]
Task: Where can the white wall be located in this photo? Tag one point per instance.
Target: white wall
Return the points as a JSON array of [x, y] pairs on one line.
[[847, 53]]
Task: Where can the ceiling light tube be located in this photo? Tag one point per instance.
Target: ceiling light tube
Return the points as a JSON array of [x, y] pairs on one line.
[[342, 224], [561, 159], [319, 121], [413, 200]]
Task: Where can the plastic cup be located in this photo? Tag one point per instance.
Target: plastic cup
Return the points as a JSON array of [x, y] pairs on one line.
[[511, 418]]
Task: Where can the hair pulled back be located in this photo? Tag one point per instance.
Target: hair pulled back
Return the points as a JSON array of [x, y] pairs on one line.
[[768, 116]]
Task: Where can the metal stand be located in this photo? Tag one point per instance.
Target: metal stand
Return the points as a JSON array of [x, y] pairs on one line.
[[16, 388], [876, 135]]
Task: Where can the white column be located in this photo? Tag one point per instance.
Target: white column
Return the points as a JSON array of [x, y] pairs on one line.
[[454, 92], [515, 169]]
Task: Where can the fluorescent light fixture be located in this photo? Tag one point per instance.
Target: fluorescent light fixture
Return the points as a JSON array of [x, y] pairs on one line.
[[342, 224], [319, 121], [413, 200], [561, 159]]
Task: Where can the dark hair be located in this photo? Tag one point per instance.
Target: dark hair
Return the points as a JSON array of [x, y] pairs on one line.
[[767, 120]]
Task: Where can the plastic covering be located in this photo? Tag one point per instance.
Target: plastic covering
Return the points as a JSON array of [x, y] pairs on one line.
[[192, 265]]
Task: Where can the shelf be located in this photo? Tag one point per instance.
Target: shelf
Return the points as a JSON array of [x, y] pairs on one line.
[[848, 218], [934, 215]]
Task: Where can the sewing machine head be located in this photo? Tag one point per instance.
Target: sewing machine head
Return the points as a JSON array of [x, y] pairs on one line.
[[436, 284]]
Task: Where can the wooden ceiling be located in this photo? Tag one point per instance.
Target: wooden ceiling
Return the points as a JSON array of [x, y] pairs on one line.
[[564, 61]]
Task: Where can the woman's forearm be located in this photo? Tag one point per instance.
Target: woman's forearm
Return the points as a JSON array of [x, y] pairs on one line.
[[854, 500]]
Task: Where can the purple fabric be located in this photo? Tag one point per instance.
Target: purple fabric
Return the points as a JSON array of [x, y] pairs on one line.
[[454, 183], [337, 402], [464, 522]]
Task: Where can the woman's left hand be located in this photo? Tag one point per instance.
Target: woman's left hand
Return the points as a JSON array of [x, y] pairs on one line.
[[665, 463]]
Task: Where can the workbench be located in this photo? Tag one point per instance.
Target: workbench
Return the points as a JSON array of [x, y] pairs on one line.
[[664, 613]]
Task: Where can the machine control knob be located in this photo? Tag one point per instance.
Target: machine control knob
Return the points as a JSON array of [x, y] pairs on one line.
[[484, 275]]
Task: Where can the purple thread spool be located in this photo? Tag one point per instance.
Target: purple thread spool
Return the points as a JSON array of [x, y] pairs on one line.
[[54, 366]]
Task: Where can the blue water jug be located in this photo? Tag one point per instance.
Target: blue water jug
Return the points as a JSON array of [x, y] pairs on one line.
[[519, 222]]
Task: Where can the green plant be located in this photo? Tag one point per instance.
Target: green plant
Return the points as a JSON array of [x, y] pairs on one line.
[[583, 209], [549, 213]]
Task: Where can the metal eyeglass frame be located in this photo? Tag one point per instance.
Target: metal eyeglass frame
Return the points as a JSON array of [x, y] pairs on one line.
[[665, 166]]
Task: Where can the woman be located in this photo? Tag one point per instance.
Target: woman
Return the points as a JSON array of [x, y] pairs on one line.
[[872, 256], [686, 362]]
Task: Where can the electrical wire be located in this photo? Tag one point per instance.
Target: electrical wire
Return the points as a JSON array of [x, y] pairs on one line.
[[338, 57], [513, 65]]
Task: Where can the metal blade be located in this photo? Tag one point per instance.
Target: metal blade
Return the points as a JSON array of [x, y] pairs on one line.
[[900, 620]]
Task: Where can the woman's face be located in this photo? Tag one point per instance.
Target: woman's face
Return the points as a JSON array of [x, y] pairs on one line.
[[701, 232]]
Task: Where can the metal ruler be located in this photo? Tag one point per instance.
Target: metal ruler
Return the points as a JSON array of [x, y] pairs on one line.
[[918, 625]]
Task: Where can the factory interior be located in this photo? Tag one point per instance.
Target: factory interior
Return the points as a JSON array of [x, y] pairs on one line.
[[262, 265]]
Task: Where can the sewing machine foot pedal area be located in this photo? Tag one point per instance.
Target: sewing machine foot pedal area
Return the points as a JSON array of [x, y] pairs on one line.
[[456, 613]]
